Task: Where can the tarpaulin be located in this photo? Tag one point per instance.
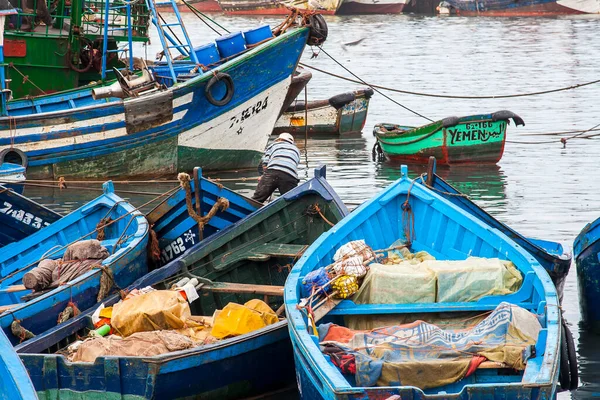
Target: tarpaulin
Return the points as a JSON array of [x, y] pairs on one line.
[[424, 355]]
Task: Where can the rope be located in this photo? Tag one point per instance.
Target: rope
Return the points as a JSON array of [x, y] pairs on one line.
[[81, 187], [153, 246], [26, 78], [199, 14], [20, 332], [70, 311], [564, 139], [221, 204], [107, 280], [408, 217], [100, 228], [445, 96], [373, 87], [318, 210], [424, 183]]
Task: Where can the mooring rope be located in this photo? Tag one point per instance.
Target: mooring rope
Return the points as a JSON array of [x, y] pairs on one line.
[[447, 96]]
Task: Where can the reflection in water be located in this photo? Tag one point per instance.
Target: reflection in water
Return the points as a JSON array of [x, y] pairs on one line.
[[588, 355]]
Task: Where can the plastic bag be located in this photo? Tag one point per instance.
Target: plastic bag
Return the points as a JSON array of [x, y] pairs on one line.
[[236, 319]]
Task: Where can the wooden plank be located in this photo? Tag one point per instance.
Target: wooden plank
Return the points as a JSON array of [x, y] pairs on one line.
[[7, 307], [226, 287], [492, 365], [280, 249], [15, 288]]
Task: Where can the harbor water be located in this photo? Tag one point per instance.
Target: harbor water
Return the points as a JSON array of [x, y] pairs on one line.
[[542, 190]]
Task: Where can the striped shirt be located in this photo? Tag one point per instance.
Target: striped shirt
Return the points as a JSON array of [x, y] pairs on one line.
[[283, 156]]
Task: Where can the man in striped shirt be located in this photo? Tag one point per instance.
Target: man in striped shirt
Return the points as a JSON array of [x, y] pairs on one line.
[[280, 166]]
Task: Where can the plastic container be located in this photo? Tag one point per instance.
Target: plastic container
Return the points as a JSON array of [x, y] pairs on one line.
[[257, 35], [207, 54], [231, 44]]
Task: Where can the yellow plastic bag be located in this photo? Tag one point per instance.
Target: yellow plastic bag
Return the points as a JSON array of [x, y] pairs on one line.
[[157, 310], [236, 319]]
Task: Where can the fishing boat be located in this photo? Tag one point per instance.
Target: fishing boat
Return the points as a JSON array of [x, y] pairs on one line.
[[21, 216], [122, 231], [300, 79], [266, 7], [508, 8], [248, 260], [14, 380], [586, 250], [175, 223], [326, 331], [349, 7], [199, 5], [11, 175], [453, 140], [340, 114], [158, 119], [551, 255]]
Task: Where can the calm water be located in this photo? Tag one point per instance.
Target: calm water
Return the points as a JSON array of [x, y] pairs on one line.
[[541, 190]]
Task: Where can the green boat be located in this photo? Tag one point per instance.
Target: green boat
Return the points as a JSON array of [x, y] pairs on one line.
[[249, 259], [452, 140]]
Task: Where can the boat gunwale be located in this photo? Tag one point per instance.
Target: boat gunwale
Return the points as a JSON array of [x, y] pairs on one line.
[[332, 377]]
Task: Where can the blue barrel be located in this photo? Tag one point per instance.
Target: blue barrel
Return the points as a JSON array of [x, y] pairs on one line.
[[257, 35], [207, 54], [231, 44]]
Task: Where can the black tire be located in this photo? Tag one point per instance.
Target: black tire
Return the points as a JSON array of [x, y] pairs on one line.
[[564, 372], [10, 155], [220, 76], [318, 30], [573, 364]]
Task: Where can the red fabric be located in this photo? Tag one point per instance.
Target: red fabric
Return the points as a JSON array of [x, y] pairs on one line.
[[345, 362], [474, 364], [340, 334]]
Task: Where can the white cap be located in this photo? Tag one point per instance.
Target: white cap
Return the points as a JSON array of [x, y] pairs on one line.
[[287, 137]]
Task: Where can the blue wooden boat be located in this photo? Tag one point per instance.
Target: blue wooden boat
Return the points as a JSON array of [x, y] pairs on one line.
[[21, 216], [586, 250], [448, 233], [245, 260], [14, 381], [11, 175], [177, 231], [551, 255], [162, 121], [125, 238]]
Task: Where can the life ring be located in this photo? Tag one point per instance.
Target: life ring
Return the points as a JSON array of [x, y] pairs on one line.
[[318, 30], [15, 156], [228, 85]]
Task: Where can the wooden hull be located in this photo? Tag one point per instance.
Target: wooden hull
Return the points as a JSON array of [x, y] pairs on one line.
[[551, 255], [506, 8], [21, 217], [349, 7], [473, 139], [348, 116], [586, 250], [231, 368], [14, 381], [200, 5], [300, 79], [447, 233], [267, 7], [104, 139], [177, 231], [127, 262]]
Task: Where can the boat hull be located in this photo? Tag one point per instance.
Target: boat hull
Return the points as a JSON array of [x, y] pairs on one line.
[[325, 118], [200, 5], [349, 7], [468, 140], [235, 367], [263, 7], [106, 140], [502, 8], [586, 250]]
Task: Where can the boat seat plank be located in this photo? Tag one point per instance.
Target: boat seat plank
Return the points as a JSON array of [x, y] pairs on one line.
[[348, 307], [243, 288], [7, 307], [15, 288], [262, 252]]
